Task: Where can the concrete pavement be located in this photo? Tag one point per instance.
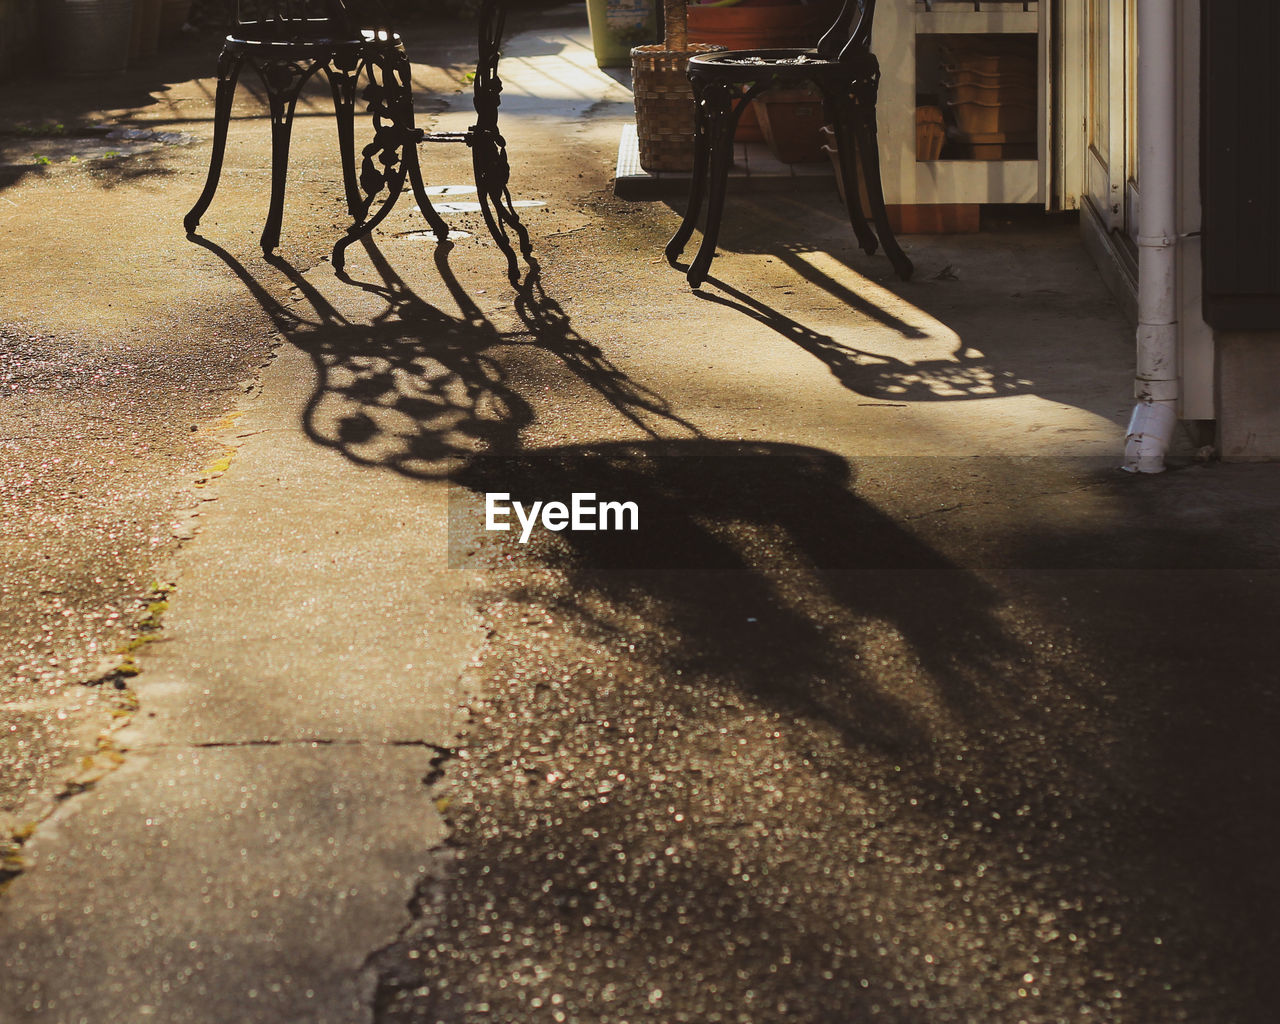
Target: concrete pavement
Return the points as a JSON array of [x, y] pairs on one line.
[[909, 707]]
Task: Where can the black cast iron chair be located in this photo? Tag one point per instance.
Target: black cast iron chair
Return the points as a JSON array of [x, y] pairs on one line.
[[844, 68], [287, 42]]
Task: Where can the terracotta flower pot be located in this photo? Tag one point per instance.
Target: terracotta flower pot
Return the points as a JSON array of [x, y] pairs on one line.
[[792, 122], [758, 26]]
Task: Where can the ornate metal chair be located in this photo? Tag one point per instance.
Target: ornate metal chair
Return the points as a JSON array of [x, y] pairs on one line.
[[287, 42], [844, 68]]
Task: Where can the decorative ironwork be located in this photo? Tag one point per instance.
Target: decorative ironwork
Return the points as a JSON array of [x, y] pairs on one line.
[[391, 157], [488, 147], [843, 67]]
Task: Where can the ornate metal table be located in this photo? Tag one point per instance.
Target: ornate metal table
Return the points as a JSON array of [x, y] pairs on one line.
[[287, 51]]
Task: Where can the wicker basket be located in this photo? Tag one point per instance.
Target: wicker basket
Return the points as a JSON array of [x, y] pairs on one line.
[[664, 105], [664, 97]]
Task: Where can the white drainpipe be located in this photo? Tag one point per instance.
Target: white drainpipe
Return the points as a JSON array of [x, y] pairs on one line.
[[1156, 383]]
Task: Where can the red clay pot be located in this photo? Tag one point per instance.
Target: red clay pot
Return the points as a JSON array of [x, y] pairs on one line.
[[761, 25], [792, 121]]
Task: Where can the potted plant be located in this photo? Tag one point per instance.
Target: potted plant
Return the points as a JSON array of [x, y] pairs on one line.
[[618, 25]]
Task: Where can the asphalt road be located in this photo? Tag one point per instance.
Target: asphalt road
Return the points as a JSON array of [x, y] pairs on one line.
[[813, 766], [902, 705]]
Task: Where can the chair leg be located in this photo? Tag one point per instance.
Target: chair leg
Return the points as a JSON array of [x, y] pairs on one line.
[[842, 116], [488, 166], [721, 121], [489, 161], [698, 185], [398, 80], [229, 65], [864, 129], [283, 82], [498, 177], [492, 171]]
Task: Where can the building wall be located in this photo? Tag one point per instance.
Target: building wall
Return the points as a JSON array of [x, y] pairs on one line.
[[19, 31], [1195, 339], [1248, 413], [1111, 245], [1247, 363]]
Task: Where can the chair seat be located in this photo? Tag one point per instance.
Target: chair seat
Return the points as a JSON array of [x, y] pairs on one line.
[[750, 63], [742, 66]]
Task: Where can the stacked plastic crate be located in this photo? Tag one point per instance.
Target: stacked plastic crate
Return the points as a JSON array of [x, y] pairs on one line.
[[989, 95]]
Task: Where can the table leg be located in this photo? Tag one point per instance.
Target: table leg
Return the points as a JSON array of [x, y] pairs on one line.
[[283, 80], [229, 65], [343, 82], [391, 157]]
